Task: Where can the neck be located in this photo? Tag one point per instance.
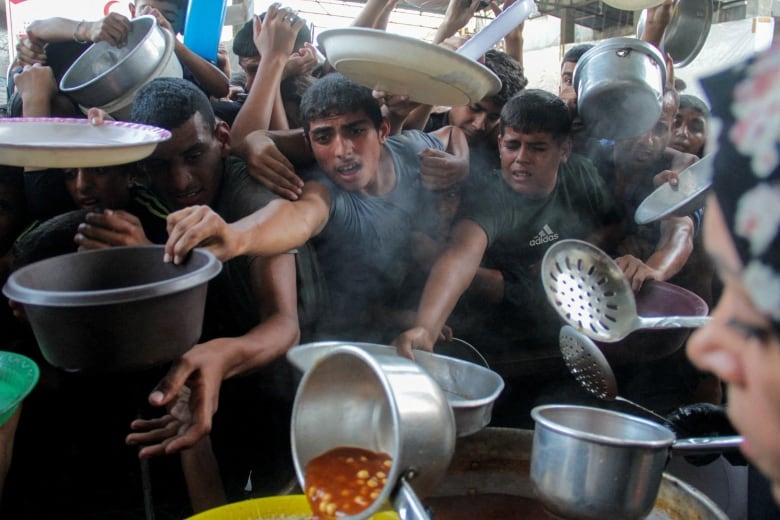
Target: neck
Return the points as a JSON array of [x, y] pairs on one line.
[[385, 178]]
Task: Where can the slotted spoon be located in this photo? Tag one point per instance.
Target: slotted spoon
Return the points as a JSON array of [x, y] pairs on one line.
[[591, 293], [591, 369]]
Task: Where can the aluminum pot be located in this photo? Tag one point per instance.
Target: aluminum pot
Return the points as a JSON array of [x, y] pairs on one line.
[[104, 73], [114, 309], [594, 464], [620, 85], [489, 477], [383, 403]]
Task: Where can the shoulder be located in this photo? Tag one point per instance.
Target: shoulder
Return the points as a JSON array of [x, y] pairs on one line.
[[240, 195], [413, 141]]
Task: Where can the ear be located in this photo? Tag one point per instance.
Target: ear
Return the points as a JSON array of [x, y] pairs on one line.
[[222, 135], [384, 130]]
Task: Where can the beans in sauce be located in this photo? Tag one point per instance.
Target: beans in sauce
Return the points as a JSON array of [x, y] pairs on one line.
[[345, 481]]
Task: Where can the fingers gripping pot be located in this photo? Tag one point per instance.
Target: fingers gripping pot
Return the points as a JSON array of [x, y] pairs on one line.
[[380, 403]]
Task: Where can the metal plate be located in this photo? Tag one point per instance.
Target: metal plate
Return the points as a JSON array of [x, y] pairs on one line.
[[689, 195], [470, 389], [427, 73], [50, 142]]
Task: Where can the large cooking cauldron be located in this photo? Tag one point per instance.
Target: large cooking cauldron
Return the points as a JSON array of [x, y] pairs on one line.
[[112, 309]]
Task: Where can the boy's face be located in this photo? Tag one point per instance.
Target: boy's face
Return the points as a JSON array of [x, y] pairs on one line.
[[174, 12], [530, 162], [103, 188], [186, 169], [348, 147], [477, 120]]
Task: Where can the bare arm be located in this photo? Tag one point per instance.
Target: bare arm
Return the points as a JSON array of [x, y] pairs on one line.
[[451, 275], [670, 255], [656, 22], [278, 227], [274, 38], [458, 14], [375, 14], [203, 368], [211, 78]]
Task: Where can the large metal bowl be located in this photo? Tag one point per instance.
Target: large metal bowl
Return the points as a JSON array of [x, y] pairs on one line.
[[679, 201], [687, 31], [104, 73], [471, 389], [114, 309]]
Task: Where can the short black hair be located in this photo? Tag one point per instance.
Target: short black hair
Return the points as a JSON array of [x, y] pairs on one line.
[[509, 71], [244, 41], [334, 94], [694, 103], [169, 103], [537, 110], [575, 53]]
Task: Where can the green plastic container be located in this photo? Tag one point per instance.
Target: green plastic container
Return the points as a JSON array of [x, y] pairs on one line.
[[18, 376]]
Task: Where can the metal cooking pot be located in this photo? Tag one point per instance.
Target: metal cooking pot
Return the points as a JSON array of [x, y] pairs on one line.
[[104, 73], [620, 85], [112, 309], [594, 464], [381, 403], [489, 478], [686, 32]]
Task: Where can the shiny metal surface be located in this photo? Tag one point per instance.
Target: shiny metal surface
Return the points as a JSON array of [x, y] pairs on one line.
[[594, 464], [689, 195], [492, 467], [90, 315], [619, 85], [104, 73], [591, 293], [686, 32], [470, 389], [379, 402], [588, 463]]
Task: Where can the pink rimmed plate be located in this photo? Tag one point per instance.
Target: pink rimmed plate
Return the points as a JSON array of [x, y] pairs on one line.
[[48, 142]]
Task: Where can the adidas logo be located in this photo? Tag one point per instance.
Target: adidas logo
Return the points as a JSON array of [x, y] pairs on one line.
[[545, 235]]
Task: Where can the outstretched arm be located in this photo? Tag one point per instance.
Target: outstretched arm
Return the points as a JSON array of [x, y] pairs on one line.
[[200, 372], [276, 228], [451, 275]]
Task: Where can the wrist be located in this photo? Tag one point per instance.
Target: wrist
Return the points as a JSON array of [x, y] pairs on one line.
[[78, 32]]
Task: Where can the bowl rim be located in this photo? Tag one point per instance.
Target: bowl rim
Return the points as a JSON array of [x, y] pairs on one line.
[[26, 296]]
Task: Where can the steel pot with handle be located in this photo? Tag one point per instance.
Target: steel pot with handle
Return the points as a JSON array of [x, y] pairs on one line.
[[382, 403], [620, 85], [594, 464]]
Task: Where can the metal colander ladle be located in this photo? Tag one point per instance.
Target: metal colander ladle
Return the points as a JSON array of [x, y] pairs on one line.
[[591, 293], [591, 369]]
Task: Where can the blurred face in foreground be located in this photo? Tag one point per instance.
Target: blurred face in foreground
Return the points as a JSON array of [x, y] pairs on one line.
[[741, 347]]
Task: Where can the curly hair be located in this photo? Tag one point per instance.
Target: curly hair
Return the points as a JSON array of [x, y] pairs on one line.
[[509, 71], [169, 103], [334, 94]]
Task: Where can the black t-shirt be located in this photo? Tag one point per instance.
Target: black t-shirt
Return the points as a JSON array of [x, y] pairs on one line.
[[519, 232]]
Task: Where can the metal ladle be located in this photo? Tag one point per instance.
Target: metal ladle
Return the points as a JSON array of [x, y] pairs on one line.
[[591, 369], [592, 294]]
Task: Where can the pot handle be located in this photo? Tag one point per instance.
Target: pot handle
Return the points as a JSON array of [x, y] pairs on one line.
[[406, 503], [703, 445]]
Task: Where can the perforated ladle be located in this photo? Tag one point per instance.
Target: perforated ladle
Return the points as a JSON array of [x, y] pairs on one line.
[[591, 369], [592, 294]]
